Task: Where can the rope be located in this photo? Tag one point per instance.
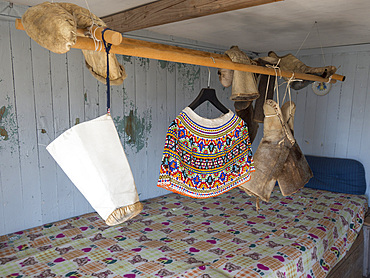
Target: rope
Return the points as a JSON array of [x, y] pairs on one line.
[[276, 85], [267, 87], [98, 43], [107, 49], [322, 50], [92, 19], [305, 39], [287, 89]]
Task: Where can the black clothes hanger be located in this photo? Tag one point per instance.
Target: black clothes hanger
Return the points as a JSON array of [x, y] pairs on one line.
[[210, 95]]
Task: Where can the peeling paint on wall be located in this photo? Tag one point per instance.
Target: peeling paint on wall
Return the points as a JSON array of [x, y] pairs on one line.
[[8, 126], [163, 64], [189, 74], [127, 58], [143, 62], [167, 65], [134, 129], [125, 95], [171, 67], [3, 132]]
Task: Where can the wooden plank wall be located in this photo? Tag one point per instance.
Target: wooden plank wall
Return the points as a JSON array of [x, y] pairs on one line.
[[42, 94], [337, 124]]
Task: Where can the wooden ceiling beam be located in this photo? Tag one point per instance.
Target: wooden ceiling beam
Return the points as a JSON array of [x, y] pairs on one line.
[[168, 11]]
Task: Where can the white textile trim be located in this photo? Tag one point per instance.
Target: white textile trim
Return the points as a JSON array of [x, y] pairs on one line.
[[217, 122]]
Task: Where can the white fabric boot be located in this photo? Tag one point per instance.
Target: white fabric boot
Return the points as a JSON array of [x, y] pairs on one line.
[[93, 158]]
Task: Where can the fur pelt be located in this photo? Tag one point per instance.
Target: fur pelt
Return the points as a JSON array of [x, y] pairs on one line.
[[244, 86], [226, 77], [291, 63], [54, 27], [51, 26]]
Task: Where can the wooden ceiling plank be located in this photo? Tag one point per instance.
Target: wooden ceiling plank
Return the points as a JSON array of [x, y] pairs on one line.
[[168, 11]]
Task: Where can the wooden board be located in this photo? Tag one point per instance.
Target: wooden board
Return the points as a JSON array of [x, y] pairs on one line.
[[45, 132], [321, 111], [54, 101], [28, 149], [357, 123], [332, 112], [345, 104], [60, 99], [75, 72], [160, 110], [167, 11], [10, 171]]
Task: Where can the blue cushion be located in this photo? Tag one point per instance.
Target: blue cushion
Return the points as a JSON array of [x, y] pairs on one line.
[[337, 175]]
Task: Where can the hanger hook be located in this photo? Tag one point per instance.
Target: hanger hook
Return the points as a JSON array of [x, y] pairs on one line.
[[209, 77], [209, 72]]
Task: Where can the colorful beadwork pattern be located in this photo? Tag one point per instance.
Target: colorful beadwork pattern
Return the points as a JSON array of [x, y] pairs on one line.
[[303, 235], [204, 158]]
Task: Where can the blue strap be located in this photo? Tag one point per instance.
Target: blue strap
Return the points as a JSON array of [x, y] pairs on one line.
[[107, 49]]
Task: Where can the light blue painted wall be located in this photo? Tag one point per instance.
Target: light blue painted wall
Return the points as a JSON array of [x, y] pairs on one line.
[[42, 94], [337, 124]]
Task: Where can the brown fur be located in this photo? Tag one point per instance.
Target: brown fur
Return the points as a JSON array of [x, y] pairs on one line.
[[226, 77], [54, 26], [244, 87], [51, 26], [291, 63]]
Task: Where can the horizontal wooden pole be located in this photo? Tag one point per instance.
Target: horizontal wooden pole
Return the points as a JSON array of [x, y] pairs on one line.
[[151, 50], [176, 54], [338, 77], [167, 11], [110, 36], [192, 51]]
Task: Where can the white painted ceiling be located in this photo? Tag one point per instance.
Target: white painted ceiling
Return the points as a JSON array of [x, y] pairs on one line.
[[278, 26]]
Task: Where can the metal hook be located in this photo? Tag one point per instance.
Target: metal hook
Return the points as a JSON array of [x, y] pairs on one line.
[[209, 73], [209, 77]]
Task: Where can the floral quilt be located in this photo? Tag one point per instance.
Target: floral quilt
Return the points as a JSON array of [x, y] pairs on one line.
[[303, 235]]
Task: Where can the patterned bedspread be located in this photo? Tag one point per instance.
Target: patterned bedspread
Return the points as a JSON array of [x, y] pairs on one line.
[[303, 235]]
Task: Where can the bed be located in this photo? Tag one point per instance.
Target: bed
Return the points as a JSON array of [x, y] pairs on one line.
[[309, 234]]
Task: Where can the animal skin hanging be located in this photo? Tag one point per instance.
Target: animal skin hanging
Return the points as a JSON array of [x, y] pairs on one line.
[[54, 27]]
